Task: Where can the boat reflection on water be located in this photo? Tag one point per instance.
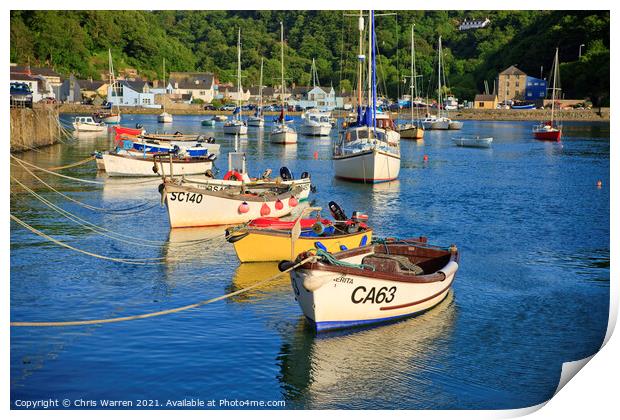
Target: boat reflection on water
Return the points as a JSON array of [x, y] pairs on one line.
[[201, 244], [385, 199], [336, 369], [124, 189], [248, 274]]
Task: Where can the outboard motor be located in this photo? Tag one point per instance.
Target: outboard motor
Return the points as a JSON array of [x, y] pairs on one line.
[[337, 211], [139, 126], [285, 174]]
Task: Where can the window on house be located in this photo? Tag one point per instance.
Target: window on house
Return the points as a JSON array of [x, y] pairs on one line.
[[202, 92], [481, 104], [529, 94], [517, 83], [135, 101]]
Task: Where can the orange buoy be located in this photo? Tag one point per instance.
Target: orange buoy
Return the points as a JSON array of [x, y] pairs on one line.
[[316, 155], [243, 208], [292, 201], [233, 175], [599, 183], [279, 205], [425, 158], [265, 210]]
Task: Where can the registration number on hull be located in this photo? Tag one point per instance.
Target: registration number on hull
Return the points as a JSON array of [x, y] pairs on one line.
[[186, 197], [373, 295]]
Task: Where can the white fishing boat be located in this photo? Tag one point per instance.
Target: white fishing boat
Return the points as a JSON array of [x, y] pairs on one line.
[[88, 125], [283, 133], [316, 123], [473, 141], [365, 151], [257, 120], [129, 164], [413, 129], [164, 117], [236, 126], [373, 284], [191, 206]]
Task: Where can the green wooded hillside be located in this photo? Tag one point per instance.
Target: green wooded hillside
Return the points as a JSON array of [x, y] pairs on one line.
[[78, 41]]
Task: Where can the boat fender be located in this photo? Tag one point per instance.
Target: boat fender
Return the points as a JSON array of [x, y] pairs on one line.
[[265, 210], [161, 187], [244, 208], [155, 168], [233, 174], [285, 174], [337, 211], [318, 228], [312, 188], [234, 238], [279, 204], [319, 245], [285, 265], [305, 175], [449, 269], [364, 240], [292, 201], [209, 174]]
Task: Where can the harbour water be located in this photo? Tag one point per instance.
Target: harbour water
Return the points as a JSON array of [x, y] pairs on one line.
[[532, 290]]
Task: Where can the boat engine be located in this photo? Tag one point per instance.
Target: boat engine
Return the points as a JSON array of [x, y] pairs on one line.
[[337, 211], [285, 174]]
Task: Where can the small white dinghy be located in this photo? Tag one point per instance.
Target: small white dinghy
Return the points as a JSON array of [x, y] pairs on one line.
[[372, 284], [474, 141], [129, 163]]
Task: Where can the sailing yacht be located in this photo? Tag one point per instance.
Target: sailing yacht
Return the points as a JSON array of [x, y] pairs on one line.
[[315, 122], [364, 151], [412, 130], [283, 133], [550, 130], [109, 116], [237, 125], [164, 117], [441, 121], [257, 120]]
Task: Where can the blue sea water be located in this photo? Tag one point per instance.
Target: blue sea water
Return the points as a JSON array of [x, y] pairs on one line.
[[532, 290]]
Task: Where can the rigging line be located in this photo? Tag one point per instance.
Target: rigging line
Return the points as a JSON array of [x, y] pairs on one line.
[[164, 312], [55, 173], [136, 261], [124, 211], [85, 223]]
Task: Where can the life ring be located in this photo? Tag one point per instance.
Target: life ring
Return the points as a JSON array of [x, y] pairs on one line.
[[233, 174]]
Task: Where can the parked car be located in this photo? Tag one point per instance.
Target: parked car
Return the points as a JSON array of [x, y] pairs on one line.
[[209, 107], [21, 95]]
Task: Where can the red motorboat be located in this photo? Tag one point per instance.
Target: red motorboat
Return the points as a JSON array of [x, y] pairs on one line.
[[129, 131]]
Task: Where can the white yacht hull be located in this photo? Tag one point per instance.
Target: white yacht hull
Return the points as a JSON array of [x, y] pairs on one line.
[[369, 166], [256, 122], [316, 130], [236, 129], [284, 137]]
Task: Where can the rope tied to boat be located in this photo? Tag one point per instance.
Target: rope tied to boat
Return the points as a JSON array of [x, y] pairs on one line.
[[159, 313], [72, 165], [330, 259]]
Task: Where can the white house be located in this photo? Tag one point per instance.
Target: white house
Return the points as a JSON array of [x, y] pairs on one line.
[[132, 93], [197, 84], [318, 97]]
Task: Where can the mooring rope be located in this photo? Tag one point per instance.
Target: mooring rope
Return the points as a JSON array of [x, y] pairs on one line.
[[124, 211], [136, 261], [88, 181], [158, 313], [100, 229], [72, 165]]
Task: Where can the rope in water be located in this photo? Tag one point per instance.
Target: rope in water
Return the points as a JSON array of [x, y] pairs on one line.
[[159, 313], [135, 261], [112, 234], [88, 181], [137, 208], [72, 165]]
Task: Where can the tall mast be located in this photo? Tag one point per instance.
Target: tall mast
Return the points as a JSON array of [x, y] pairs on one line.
[[360, 27], [555, 70], [439, 80], [282, 68], [239, 70], [164, 69], [414, 87], [260, 87], [374, 73], [369, 76]]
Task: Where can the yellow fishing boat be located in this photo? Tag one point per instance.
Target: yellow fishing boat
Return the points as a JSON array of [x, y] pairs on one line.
[[270, 239]]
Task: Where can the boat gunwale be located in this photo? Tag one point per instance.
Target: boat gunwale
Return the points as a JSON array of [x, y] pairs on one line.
[[226, 194], [286, 233]]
